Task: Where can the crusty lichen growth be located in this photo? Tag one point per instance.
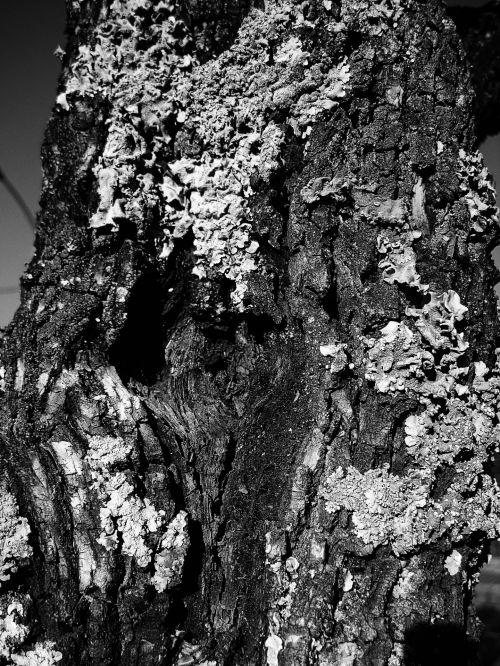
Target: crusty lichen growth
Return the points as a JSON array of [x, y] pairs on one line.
[[41, 654], [128, 518], [12, 631], [424, 356], [229, 105], [14, 535], [373, 17], [190, 653], [171, 553], [285, 575], [479, 191], [402, 358], [401, 511], [225, 105], [273, 646], [453, 563], [13, 634], [15, 551], [130, 521], [399, 263], [336, 352]]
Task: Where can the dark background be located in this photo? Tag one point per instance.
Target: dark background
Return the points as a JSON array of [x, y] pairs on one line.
[[30, 31]]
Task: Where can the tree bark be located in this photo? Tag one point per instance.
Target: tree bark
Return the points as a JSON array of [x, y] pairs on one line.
[[250, 396]]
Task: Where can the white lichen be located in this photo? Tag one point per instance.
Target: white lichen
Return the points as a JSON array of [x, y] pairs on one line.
[[348, 582], [453, 563], [397, 655], [405, 585], [19, 378], [346, 655], [335, 351], [14, 535], [191, 654], [393, 358], [402, 511], [400, 358], [479, 191], [273, 645], [42, 654], [223, 103], [171, 553], [399, 263], [131, 520], [12, 630], [323, 188], [385, 508]]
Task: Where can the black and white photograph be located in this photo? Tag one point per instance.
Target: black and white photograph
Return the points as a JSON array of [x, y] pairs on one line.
[[249, 333]]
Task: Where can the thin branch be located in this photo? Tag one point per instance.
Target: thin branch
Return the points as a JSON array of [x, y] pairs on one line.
[[12, 190]]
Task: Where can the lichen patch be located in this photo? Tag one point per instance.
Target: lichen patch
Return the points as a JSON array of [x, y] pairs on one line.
[[226, 105], [453, 563], [14, 535], [41, 654], [401, 510], [478, 191], [131, 521], [14, 632]]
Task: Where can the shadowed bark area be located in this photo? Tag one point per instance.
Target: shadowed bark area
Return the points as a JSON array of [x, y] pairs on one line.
[[250, 398], [480, 31]]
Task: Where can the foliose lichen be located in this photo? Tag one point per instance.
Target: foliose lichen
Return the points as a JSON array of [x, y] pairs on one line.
[[453, 563], [285, 574], [42, 654], [131, 520], [191, 654], [373, 17], [406, 584], [402, 359], [457, 427], [156, 87], [335, 351], [323, 188], [402, 511], [128, 517], [171, 553], [479, 191], [399, 263], [13, 635], [14, 535], [228, 103], [273, 645], [12, 631]]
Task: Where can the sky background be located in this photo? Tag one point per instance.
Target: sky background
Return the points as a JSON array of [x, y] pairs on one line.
[[30, 31]]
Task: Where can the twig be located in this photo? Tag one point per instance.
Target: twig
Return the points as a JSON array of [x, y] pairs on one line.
[[18, 199]]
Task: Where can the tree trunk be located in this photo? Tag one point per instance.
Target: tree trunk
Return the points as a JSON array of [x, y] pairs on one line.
[[250, 396]]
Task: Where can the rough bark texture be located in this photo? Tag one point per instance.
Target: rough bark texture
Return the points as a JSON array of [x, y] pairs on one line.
[[250, 396]]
